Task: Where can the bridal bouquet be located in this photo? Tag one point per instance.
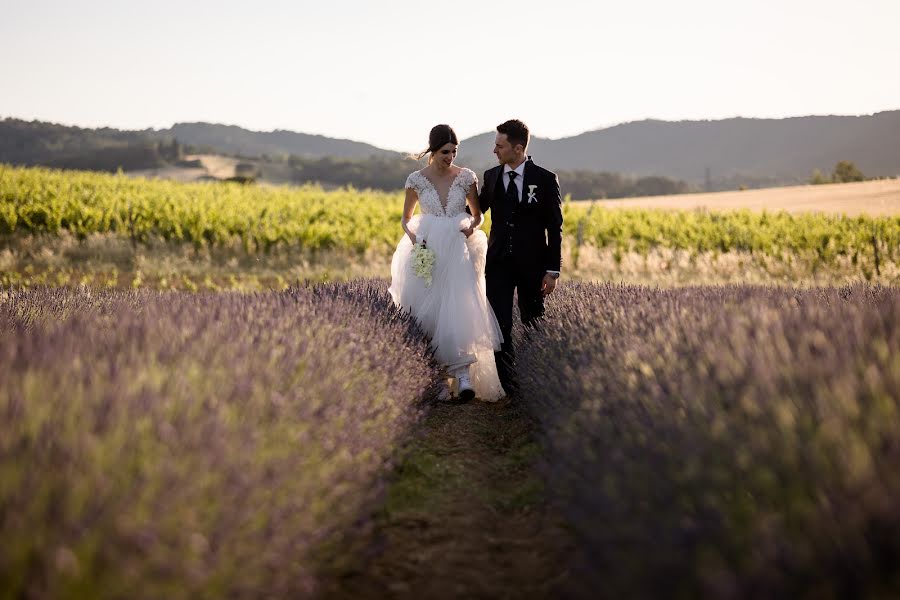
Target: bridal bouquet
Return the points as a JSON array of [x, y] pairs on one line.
[[423, 262]]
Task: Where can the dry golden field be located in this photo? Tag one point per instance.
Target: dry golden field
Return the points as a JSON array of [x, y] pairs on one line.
[[876, 198]]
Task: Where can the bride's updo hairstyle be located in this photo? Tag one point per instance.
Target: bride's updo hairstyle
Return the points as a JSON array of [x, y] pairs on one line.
[[439, 136]]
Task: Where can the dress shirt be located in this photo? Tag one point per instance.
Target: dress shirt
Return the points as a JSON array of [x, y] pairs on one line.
[[520, 178]]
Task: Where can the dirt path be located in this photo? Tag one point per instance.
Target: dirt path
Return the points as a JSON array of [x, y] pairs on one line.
[[465, 515]]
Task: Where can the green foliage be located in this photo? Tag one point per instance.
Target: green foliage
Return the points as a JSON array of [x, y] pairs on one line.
[[818, 179], [388, 173], [845, 172], [42, 201], [37, 143], [586, 185], [772, 234], [376, 172]]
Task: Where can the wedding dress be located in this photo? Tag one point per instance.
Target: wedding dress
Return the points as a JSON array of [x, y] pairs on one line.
[[453, 310]]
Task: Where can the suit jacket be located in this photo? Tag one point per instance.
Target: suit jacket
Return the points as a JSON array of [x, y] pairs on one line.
[[533, 226]]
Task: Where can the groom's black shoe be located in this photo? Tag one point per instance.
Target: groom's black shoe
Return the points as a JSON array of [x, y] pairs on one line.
[[509, 386]]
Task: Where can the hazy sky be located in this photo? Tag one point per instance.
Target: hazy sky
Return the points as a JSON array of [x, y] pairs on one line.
[[385, 72]]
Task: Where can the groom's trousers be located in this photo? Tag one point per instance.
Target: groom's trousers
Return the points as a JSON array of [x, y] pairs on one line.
[[505, 279]]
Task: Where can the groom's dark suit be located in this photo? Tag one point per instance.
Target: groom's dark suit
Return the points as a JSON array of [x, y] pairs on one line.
[[525, 243]]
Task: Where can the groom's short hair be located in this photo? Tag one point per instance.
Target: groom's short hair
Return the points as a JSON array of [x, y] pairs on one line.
[[515, 131]]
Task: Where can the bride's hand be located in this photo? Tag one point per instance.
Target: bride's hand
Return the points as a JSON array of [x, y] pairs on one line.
[[412, 237], [468, 231]]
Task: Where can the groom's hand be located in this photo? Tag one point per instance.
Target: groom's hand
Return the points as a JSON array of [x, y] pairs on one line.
[[548, 284]]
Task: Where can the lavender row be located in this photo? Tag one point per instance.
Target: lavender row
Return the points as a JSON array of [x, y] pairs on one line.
[[167, 445], [728, 442]]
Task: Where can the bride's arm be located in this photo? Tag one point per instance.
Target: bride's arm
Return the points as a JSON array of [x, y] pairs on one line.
[[475, 209], [409, 205]]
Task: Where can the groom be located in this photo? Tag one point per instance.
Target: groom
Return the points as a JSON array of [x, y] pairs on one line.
[[524, 247]]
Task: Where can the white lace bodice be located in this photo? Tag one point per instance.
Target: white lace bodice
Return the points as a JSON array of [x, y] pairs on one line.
[[429, 200]]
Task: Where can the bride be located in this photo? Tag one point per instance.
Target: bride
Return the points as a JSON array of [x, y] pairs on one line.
[[452, 308]]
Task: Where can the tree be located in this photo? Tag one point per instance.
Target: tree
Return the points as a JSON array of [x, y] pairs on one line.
[[817, 178], [845, 171]]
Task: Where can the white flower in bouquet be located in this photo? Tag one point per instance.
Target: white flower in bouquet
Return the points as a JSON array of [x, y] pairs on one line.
[[423, 262]]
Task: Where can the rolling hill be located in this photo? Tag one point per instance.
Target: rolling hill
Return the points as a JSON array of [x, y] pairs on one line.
[[711, 155], [751, 152]]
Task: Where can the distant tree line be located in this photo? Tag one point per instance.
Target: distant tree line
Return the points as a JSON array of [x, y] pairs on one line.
[[381, 173], [584, 185], [844, 172], [129, 157], [35, 143], [385, 173]]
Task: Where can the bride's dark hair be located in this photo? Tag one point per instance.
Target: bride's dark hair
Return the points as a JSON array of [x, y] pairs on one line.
[[440, 135]]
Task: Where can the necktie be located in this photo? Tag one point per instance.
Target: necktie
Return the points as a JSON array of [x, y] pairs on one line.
[[512, 199], [512, 192]]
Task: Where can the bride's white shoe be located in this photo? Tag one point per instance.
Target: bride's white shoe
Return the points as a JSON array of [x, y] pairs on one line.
[[466, 393]]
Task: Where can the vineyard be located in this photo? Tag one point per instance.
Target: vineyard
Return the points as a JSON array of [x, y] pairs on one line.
[[39, 201], [64, 214]]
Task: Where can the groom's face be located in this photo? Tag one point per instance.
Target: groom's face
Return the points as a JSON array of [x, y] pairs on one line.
[[507, 153]]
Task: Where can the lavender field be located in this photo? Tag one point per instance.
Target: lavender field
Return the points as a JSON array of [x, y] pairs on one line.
[[727, 442], [169, 445], [731, 442]]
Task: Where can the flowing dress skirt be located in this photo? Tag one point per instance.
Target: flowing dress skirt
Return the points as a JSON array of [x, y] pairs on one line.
[[454, 310]]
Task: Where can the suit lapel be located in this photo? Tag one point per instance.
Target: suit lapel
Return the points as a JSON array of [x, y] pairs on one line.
[[496, 180], [501, 192]]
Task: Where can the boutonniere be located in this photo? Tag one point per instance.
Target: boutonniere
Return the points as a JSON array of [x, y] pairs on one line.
[[531, 196]]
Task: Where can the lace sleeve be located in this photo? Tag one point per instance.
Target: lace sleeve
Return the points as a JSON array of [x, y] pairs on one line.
[[412, 181], [470, 178]]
